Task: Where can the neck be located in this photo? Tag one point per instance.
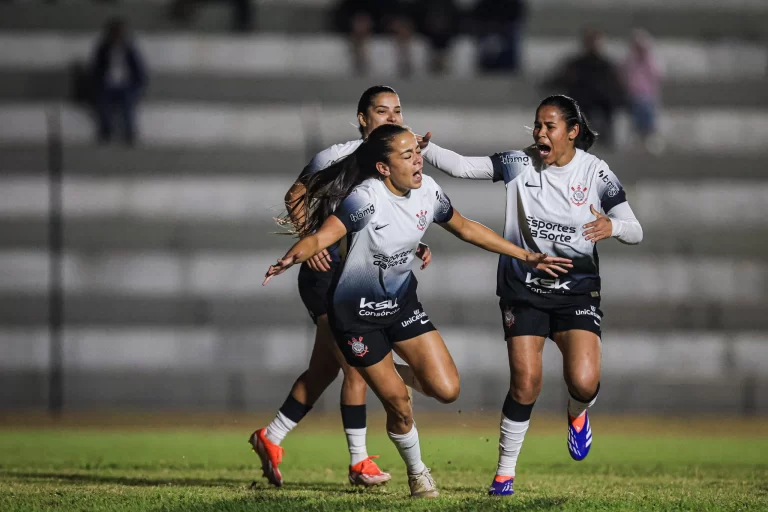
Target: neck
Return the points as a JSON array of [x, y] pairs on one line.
[[566, 158], [394, 189]]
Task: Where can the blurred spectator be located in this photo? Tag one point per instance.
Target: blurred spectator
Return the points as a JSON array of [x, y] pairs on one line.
[[360, 19], [592, 79], [119, 76], [499, 24], [438, 21], [642, 77], [243, 13]]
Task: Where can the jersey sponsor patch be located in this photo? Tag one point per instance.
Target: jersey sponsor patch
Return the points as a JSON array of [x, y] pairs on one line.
[[384, 262], [362, 213]]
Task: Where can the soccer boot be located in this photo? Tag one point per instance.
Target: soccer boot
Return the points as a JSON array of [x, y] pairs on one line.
[[423, 485], [502, 486], [367, 473], [579, 436], [271, 456]]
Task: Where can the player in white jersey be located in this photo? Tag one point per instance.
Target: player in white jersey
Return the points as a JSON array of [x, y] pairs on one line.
[[374, 308], [560, 200], [378, 105]]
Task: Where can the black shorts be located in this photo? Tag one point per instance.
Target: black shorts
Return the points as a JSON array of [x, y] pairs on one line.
[[572, 312], [365, 348], [313, 289]]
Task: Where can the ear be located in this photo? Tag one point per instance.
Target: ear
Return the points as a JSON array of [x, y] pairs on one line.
[[382, 168], [361, 119], [574, 132]]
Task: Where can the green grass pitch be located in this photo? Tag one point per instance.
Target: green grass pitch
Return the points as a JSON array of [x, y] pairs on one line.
[[171, 469]]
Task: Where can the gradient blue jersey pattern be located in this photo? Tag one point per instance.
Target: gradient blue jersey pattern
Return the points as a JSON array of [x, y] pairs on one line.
[[546, 212], [375, 283]]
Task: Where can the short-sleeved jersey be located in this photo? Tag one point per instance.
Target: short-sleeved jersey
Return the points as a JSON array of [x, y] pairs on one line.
[[546, 212], [375, 283]]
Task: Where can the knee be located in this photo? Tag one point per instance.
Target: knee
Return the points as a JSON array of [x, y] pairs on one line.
[[354, 381], [583, 385], [445, 391], [525, 387], [325, 373], [399, 408]]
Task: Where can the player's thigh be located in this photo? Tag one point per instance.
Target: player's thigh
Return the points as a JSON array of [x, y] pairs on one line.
[[576, 330], [383, 379], [582, 358], [432, 365], [323, 355]]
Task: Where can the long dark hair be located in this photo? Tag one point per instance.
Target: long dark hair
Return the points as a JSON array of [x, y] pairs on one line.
[[571, 112], [368, 98], [328, 188]]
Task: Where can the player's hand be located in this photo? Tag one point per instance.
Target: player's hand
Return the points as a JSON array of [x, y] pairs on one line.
[[424, 254], [599, 228], [281, 266], [423, 140], [548, 263], [320, 262]]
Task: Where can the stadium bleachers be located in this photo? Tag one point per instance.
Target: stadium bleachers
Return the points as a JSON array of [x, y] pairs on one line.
[[165, 244]]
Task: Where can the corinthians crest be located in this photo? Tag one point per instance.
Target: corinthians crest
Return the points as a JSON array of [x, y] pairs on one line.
[[422, 216], [509, 316], [579, 195], [358, 347]]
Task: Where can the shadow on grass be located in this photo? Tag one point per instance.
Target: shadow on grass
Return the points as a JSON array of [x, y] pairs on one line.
[[84, 478]]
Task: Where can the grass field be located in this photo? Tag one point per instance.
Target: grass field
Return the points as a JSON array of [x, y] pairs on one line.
[[634, 465]]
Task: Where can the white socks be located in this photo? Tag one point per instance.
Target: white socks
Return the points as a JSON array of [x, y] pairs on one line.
[[510, 443], [356, 444], [410, 451], [577, 408], [279, 428], [406, 373]]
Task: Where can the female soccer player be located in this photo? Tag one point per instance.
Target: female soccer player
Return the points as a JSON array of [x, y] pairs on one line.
[[556, 193], [377, 106], [378, 203]]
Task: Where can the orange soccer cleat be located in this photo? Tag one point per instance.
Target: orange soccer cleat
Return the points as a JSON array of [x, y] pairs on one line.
[[271, 456], [367, 473]]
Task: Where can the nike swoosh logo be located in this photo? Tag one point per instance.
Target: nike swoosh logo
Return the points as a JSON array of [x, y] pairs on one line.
[[597, 324], [532, 186], [424, 321], [380, 227]]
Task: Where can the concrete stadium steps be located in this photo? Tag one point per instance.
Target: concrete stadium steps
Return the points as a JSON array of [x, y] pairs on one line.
[[701, 21], [124, 234], [213, 274], [714, 204], [91, 161], [50, 85], [704, 130], [328, 55], [111, 311]]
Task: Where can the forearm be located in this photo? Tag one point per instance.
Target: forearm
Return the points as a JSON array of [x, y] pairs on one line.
[[624, 225], [458, 166], [481, 236], [305, 249]]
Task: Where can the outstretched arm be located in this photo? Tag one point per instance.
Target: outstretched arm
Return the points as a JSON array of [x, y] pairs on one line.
[[330, 232], [454, 164], [476, 234]]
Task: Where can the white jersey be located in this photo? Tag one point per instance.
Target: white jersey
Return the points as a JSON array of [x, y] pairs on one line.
[[546, 209], [375, 284], [330, 156], [320, 162]]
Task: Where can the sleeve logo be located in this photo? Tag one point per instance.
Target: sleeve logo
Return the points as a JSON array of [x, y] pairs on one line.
[[362, 212]]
